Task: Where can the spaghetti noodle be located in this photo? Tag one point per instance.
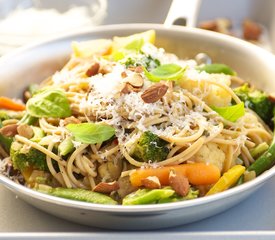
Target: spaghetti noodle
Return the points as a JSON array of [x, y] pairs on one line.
[[182, 117]]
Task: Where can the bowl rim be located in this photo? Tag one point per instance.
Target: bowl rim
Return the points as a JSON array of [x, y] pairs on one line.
[[142, 27], [150, 208]]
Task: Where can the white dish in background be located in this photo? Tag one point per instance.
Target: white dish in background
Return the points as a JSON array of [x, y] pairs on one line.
[[261, 12], [44, 58], [23, 22]]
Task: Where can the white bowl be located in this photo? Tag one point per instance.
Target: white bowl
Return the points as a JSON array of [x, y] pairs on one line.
[[44, 18], [34, 63]]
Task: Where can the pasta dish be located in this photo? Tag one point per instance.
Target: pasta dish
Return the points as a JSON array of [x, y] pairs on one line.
[[125, 122]]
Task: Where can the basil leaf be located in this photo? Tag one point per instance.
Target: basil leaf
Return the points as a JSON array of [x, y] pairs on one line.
[[49, 103], [116, 56], [231, 113], [165, 72], [91, 133], [135, 45], [217, 68]]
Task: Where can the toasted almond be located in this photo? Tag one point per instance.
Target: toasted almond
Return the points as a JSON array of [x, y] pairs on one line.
[[93, 70], [154, 93], [71, 119], [209, 25], [25, 130], [9, 130], [135, 80], [271, 97], [251, 30], [179, 183], [104, 187], [151, 182]]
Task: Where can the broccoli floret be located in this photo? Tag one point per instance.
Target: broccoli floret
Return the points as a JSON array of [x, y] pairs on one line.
[[257, 101], [150, 148], [3, 116], [8, 114], [5, 142], [24, 157]]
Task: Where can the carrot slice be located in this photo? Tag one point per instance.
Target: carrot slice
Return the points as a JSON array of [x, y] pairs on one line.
[[197, 174], [10, 104]]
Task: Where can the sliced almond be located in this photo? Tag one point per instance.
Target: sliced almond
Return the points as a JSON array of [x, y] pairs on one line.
[[151, 182], [124, 75], [128, 88], [105, 69], [104, 187], [9, 130], [135, 80], [25, 130], [154, 93], [179, 183], [93, 70], [137, 69]]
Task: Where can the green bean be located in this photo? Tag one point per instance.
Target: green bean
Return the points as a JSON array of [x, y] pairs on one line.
[[264, 162]]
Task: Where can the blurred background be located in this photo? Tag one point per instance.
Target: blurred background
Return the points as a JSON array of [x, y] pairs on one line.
[[25, 21]]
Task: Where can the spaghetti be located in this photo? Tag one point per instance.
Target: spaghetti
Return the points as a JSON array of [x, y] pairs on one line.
[[113, 95]]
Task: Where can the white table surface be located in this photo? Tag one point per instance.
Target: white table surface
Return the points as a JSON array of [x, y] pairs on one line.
[[257, 213]]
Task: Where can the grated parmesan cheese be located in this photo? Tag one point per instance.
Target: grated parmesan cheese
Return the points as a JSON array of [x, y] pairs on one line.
[[105, 102]]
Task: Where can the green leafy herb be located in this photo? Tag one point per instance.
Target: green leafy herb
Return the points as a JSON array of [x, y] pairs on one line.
[[165, 72], [91, 133], [33, 89], [28, 119], [135, 45], [49, 103], [231, 113], [118, 55], [217, 68], [66, 147]]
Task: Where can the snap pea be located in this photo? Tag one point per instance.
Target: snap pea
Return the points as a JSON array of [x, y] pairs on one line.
[[217, 68], [147, 196], [78, 195]]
